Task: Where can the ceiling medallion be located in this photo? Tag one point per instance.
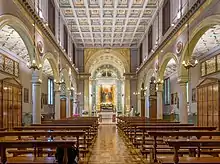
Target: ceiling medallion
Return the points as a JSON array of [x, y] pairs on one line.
[[179, 47], [40, 47]]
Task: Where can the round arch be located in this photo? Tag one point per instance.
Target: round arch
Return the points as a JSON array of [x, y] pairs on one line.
[[166, 58], [196, 34], [101, 53], [53, 63], [22, 30]]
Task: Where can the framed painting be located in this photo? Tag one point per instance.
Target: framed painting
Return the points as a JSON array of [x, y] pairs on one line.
[[194, 95], [26, 95]]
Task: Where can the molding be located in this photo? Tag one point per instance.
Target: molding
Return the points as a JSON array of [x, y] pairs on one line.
[[42, 27], [197, 5]]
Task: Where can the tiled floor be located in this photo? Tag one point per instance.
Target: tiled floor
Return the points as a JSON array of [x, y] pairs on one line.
[[111, 149]]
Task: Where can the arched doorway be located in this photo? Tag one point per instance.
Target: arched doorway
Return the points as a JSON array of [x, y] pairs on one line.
[[106, 92], [167, 75]]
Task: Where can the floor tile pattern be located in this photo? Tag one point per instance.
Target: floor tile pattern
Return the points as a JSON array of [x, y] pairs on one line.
[[111, 149]]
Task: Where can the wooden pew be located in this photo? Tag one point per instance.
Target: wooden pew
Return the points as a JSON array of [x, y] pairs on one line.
[[197, 134], [177, 144], [4, 144]]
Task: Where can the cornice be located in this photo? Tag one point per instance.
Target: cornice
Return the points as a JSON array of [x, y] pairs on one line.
[[45, 31], [174, 31]]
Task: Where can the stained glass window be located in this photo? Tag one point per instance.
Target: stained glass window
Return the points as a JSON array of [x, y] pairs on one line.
[[167, 91], [50, 91], [211, 65], [9, 66]]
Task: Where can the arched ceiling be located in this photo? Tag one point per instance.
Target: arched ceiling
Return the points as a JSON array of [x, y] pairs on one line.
[[108, 23], [107, 71], [209, 40], [47, 68], [170, 68], [11, 41], [107, 59]]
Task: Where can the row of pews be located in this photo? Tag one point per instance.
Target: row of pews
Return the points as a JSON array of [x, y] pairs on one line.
[[37, 143], [167, 142]]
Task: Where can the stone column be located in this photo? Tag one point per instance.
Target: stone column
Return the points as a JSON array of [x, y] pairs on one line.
[[160, 101], [57, 102], [127, 96], [36, 97], [68, 104], [183, 103], [142, 104], [86, 95]]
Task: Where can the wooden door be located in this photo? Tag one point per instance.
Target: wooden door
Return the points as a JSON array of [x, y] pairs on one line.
[[71, 107], [153, 107], [62, 108], [208, 103]]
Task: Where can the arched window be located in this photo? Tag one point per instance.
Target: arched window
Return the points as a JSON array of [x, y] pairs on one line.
[[150, 39], [166, 16]]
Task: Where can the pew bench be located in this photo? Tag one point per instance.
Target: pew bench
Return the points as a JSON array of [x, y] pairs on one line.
[[191, 160], [48, 152], [31, 160]]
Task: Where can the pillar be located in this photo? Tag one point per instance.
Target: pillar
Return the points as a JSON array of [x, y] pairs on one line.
[[127, 97], [160, 101], [68, 93], [57, 102], [36, 97], [86, 96], [142, 104], [183, 103]]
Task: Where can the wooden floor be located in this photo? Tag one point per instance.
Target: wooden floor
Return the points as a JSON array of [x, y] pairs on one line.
[[110, 148]]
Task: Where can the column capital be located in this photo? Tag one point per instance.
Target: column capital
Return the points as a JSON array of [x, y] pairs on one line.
[[159, 87], [36, 77], [182, 79]]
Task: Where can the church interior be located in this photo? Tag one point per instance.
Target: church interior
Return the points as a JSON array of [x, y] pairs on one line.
[[109, 81]]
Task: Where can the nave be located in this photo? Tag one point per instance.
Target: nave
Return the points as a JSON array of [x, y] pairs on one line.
[[111, 148]]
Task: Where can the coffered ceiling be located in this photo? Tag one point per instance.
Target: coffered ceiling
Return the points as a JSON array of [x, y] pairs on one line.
[[108, 23]]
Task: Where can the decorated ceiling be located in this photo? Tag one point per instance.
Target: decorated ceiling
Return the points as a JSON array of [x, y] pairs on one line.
[[209, 41], [171, 68], [108, 23], [11, 41]]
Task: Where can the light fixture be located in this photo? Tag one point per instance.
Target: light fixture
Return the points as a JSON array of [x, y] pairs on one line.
[[159, 81], [172, 24], [136, 93], [34, 65], [189, 64]]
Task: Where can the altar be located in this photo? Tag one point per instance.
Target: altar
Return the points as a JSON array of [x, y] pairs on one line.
[[107, 117]]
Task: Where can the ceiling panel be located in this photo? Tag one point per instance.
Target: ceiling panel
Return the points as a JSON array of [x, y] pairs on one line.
[[209, 40], [11, 40], [116, 18]]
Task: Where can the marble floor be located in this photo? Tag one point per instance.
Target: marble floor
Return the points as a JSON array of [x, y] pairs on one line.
[[110, 148]]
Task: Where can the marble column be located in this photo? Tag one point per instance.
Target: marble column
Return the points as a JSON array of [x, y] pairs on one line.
[[36, 97], [160, 101], [127, 96], [86, 95], [183, 103], [68, 93], [57, 102]]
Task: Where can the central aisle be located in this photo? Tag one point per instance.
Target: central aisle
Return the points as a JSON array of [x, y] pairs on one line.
[[110, 148]]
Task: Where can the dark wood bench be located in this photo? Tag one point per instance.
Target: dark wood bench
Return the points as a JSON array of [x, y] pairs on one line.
[[4, 144], [177, 144], [178, 134]]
